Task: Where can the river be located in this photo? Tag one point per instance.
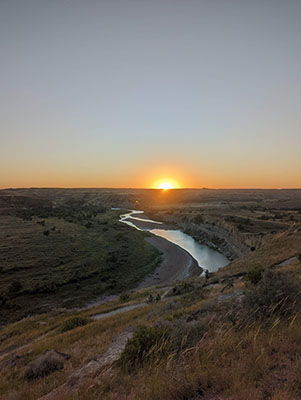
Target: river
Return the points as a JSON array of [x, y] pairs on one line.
[[206, 257]]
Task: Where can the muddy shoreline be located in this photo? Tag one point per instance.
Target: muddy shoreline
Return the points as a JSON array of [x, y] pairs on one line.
[[177, 263]]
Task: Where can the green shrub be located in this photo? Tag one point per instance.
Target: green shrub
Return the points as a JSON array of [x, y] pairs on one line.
[[119, 236], [276, 293], [43, 287], [255, 275], [198, 219], [15, 286], [180, 289], [124, 297], [73, 323], [147, 343]]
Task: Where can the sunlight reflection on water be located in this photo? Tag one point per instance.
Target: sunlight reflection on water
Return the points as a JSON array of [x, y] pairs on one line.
[[206, 257]]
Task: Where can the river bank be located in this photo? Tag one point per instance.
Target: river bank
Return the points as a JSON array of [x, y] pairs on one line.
[[177, 264], [182, 255]]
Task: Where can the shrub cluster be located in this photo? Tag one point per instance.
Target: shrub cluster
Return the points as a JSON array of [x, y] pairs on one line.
[[255, 275], [181, 288], [147, 343], [151, 344], [276, 293], [15, 286], [124, 297], [73, 323], [45, 365]]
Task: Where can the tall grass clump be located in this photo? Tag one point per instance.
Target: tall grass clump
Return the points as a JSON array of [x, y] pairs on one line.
[[148, 343], [275, 294]]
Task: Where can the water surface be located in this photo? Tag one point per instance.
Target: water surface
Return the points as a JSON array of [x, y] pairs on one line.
[[206, 257]]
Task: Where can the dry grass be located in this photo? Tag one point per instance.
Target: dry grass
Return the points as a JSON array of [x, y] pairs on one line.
[[256, 361], [27, 340], [252, 363], [273, 252]]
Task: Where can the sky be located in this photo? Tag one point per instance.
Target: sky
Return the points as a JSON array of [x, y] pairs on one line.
[[127, 93]]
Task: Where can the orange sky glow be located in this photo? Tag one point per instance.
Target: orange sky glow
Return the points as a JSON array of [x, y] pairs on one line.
[[133, 94]]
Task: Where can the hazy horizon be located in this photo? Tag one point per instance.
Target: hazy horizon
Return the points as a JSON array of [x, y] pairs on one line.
[[125, 94], [143, 188]]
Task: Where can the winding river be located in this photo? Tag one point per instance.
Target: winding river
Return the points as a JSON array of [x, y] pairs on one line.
[[206, 257]]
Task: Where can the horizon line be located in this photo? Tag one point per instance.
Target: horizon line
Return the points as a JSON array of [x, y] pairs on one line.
[[144, 188]]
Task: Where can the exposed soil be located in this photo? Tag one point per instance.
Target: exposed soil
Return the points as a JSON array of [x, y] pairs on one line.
[[177, 264]]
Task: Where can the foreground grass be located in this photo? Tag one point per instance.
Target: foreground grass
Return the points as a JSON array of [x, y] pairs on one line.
[[253, 363], [212, 347], [24, 341]]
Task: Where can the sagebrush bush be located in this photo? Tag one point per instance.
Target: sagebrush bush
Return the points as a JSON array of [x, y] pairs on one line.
[[45, 365], [124, 297], [15, 286], [146, 344], [185, 335], [255, 275], [73, 323], [276, 293], [181, 288]]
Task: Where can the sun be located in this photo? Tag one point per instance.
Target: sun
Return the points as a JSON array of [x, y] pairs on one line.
[[166, 186], [166, 183]]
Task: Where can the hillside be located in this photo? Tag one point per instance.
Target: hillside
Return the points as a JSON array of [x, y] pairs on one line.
[[63, 249], [234, 335]]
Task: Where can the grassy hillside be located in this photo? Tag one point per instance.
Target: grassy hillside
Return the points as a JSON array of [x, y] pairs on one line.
[[233, 336], [227, 337], [64, 255]]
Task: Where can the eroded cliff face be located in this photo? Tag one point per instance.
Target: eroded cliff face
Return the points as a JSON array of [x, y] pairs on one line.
[[218, 234]]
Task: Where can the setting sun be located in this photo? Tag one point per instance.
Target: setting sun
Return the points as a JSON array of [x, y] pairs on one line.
[[166, 186]]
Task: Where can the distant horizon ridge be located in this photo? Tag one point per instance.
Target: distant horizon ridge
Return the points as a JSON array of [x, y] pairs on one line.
[[143, 188]]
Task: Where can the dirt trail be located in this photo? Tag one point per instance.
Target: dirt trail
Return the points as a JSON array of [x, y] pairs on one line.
[[89, 371], [118, 311]]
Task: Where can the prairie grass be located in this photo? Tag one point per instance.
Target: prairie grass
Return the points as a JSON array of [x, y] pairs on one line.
[[254, 363], [212, 356]]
